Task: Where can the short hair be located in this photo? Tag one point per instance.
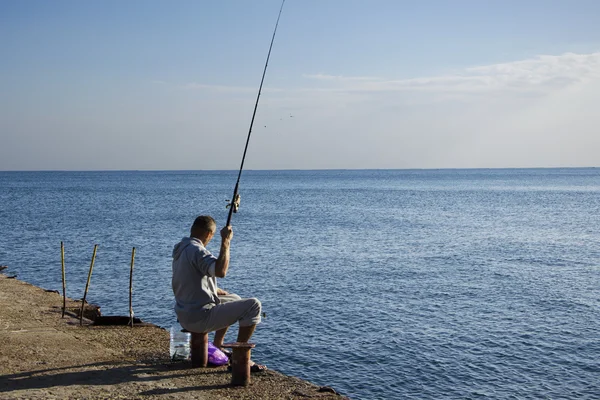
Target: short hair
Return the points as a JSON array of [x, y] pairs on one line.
[[204, 223]]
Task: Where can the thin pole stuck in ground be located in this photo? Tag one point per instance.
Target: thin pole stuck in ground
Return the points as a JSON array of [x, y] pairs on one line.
[[64, 281], [131, 288], [87, 285]]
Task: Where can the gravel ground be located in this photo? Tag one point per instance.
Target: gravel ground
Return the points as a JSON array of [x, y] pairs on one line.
[[44, 356]]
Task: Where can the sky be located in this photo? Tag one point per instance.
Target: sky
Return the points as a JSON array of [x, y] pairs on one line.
[[351, 84]]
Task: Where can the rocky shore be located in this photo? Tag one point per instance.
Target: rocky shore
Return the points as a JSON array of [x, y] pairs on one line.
[[44, 356]]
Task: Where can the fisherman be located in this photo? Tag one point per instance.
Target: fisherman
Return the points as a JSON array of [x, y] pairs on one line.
[[200, 305]]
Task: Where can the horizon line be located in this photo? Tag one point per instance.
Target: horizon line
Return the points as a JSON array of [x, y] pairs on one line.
[[295, 169]]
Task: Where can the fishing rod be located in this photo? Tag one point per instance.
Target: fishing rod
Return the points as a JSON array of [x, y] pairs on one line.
[[235, 200]]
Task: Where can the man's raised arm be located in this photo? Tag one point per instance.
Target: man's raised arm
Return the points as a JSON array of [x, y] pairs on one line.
[[222, 264]]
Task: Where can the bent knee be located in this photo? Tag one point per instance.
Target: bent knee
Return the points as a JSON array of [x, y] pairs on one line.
[[254, 306], [256, 303]]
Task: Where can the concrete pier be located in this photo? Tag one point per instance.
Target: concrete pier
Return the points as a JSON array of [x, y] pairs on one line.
[[44, 356]]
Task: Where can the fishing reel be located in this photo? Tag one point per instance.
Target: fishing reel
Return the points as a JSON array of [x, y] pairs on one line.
[[235, 204]]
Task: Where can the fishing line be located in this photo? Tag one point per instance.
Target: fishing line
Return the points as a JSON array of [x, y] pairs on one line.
[[235, 200]]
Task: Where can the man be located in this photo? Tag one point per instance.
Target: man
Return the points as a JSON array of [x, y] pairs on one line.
[[201, 306]]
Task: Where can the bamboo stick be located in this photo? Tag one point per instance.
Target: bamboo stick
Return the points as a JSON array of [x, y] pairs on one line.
[[64, 282], [87, 285], [131, 288]]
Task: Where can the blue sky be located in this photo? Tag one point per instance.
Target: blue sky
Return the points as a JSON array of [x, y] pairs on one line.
[[350, 84]]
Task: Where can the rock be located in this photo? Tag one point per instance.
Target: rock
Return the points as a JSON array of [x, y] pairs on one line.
[[327, 389], [90, 311], [300, 393]]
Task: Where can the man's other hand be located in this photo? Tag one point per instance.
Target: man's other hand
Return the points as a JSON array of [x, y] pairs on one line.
[[226, 233]]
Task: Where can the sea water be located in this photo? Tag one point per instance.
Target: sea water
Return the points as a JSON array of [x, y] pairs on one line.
[[386, 284]]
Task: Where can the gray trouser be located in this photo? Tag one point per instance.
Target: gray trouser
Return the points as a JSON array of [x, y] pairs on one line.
[[231, 310]]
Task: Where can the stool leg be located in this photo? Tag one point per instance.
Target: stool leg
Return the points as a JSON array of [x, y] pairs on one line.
[[240, 367], [199, 349]]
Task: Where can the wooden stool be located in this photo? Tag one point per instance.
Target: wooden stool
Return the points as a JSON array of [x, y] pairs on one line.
[[199, 349], [240, 362]]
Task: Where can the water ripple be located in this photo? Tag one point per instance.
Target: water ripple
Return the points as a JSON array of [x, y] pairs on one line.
[[466, 284]]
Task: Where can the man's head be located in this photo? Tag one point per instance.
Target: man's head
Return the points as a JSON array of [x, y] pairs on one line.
[[204, 228]]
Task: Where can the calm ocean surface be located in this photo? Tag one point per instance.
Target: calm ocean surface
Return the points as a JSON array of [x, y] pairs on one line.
[[384, 284]]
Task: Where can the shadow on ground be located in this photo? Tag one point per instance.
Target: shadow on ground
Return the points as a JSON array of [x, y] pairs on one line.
[[107, 373]]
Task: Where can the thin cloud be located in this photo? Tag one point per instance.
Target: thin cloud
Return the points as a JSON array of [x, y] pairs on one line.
[[536, 75], [340, 78], [225, 89], [217, 88]]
